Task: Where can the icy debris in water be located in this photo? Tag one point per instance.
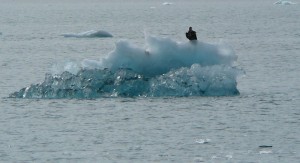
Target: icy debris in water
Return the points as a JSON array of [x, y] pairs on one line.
[[281, 2], [199, 159], [265, 149], [265, 152], [89, 34], [202, 141], [167, 3], [214, 157], [228, 156]]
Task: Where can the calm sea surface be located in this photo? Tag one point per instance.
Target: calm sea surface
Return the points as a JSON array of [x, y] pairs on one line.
[[259, 125]]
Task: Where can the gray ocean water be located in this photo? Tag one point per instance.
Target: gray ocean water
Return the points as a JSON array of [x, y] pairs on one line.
[[264, 35]]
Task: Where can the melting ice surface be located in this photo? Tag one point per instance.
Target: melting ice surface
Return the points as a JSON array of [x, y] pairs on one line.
[[163, 67], [89, 34]]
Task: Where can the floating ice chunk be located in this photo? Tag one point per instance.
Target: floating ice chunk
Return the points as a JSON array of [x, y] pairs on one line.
[[284, 3], [167, 3], [203, 141], [228, 156], [214, 157], [265, 152], [199, 159], [265, 149], [89, 34]]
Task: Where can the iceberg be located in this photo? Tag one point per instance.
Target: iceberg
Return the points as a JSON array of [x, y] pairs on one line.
[[163, 67]]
